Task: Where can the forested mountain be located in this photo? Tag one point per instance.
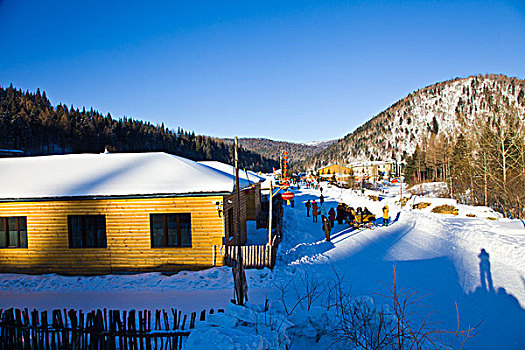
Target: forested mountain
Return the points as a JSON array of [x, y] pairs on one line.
[[30, 123], [297, 152], [469, 133], [442, 109]]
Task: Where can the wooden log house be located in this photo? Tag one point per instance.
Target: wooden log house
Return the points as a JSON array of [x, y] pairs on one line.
[[115, 213], [252, 193]]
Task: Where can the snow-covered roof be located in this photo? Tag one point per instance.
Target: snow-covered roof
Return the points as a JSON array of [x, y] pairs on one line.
[[369, 163], [113, 174], [11, 151], [230, 170]]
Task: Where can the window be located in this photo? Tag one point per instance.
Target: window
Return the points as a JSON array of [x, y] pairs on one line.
[[87, 231], [170, 230], [13, 232]]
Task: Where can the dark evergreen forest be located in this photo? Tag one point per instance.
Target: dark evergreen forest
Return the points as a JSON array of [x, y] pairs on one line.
[[29, 122]]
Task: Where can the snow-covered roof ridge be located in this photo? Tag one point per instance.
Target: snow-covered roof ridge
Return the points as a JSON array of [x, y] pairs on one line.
[[113, 174], [247, 175]]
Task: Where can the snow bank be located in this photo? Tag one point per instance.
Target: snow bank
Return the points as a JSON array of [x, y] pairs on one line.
[[210, 279], [250, 327], [429, 189]]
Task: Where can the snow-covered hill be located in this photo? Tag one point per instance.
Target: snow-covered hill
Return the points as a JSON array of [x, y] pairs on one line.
[[444, 108], [322, 144], [272, 149]]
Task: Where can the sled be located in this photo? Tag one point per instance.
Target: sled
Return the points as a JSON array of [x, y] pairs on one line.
[[365, 221]]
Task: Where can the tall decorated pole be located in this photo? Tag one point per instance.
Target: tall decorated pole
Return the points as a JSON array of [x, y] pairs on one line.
[[285, 165]]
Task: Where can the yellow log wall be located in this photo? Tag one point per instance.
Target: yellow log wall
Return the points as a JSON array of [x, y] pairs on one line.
[[127, 231]]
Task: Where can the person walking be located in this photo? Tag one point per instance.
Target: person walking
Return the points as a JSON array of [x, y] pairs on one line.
[[386, 217], [326, 228], [321, 199], [308, 205], [322, 210], [314, 211], [324, 220], [331, 217], [340, 213]]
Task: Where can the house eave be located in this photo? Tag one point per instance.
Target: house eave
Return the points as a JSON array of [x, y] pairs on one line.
[[110, 197]]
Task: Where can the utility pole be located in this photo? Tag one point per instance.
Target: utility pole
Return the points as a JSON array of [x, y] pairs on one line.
[[239, 278], [270, 214], [238, 209]]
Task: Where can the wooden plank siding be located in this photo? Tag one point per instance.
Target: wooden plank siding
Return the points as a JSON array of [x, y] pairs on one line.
[[127, 231], [231, 202], [253, 202]]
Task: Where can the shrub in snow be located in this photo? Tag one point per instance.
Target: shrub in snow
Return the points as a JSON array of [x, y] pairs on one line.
[[421, 205], [310, 311], [373, 198], [445, 209], [363, 324], [400, 323]]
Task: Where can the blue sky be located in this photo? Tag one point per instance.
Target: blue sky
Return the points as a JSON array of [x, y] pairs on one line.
[[287, 70]]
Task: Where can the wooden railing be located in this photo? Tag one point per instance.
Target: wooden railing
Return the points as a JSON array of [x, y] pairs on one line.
[[253, 256], [100, 329]]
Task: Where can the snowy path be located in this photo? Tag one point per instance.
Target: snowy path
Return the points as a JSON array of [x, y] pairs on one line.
[[434, 254]]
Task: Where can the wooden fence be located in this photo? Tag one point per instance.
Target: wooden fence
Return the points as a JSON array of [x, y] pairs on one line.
[[253, 256], [100, 329], [257, 256]]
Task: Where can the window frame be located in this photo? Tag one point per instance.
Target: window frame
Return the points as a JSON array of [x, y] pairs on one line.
[[83, 231], [4, 223], [165, 230]]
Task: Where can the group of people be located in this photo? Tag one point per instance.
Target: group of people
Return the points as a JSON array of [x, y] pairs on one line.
[[359, 216], [343, 214], [311, 184], [327, 217]]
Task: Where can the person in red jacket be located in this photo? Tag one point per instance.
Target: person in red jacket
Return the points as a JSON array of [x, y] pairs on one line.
[[315, 211]]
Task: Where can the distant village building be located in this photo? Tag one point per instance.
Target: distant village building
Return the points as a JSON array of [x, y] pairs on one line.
[[341, 172], [110, 213], [372, 170]]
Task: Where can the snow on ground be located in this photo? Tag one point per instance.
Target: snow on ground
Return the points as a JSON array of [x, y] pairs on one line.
[[187, 291], [435, 255], [429, 189], [256, 236]]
